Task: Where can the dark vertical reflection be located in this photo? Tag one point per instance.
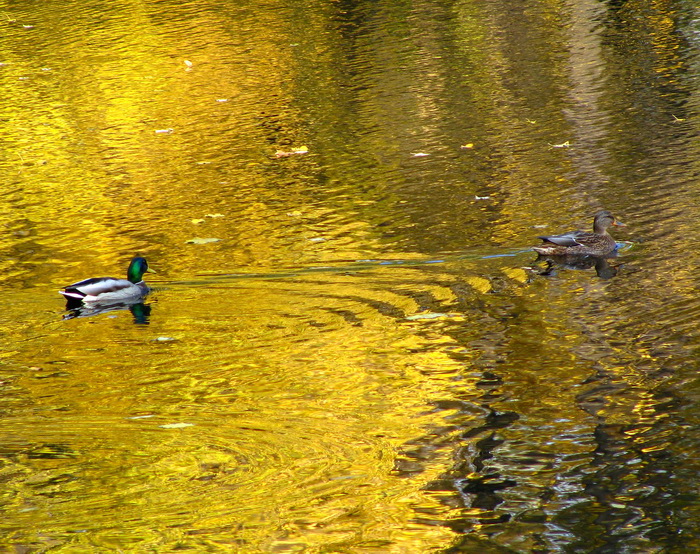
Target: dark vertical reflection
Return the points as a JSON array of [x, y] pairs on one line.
[[616, 479]]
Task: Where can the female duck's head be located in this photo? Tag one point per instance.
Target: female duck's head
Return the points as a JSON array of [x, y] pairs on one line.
[[603, 220]]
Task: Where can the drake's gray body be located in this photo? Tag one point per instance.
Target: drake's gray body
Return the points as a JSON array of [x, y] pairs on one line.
[[110, 290]]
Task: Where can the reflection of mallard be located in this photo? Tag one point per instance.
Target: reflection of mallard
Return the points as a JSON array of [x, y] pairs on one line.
[[138, 309], [597, 243], [109, 290]]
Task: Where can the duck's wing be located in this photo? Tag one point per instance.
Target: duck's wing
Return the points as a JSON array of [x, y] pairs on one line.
[[567, 239], [95, 287]]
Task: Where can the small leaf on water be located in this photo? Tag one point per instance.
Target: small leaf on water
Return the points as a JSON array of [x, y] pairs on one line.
[[198, 221], [176, 425], [188, 63], [317, 239], [199, 240], [292, 152], [562, 145], [419, 154], [163, 131], [214, 215], [467, 146], [432, 315]]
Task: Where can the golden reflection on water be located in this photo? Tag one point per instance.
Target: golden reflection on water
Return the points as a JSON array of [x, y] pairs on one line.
[[200, 426], [318, 378]]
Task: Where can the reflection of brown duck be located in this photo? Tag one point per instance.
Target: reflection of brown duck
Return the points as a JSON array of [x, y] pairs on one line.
[[602, 268], [597, 243]]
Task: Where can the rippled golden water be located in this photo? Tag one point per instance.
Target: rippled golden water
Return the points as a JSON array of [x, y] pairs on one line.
[[367, 358]]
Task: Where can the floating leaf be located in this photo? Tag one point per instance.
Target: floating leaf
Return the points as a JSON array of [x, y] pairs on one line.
[[188, 63], [467, 146], [562, 145], [198, 240], [176, 425], [482, 198], [317, 239], [198, 221], [163, 131], [214, 215], [431, 315], [292, 152], [419, 154]]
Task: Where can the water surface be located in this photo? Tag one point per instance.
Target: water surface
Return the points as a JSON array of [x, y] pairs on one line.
[[368, 358]]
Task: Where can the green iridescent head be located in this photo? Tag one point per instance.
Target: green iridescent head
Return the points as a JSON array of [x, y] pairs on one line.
[[137, 268]]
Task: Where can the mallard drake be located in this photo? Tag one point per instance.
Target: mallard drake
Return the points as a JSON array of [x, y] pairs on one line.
[[109, 290], [597, 243]]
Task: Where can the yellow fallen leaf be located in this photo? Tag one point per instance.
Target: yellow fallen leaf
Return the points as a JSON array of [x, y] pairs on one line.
[[292, 152], [467, 146], [176, 425], [198, 240], [198, 221]]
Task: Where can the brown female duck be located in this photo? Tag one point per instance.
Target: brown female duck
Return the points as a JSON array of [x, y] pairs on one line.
[[597, 243]]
